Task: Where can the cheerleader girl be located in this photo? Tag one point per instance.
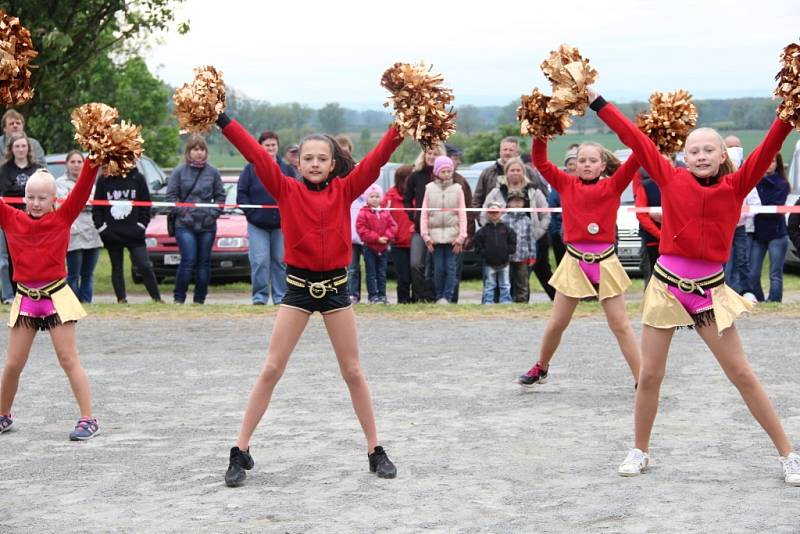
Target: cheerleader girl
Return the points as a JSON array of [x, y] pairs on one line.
[[315, 216], [38, 240], [591, 267], [701, 206]]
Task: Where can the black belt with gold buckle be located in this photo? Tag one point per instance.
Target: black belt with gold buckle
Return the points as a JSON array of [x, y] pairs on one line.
[[695, 286], [590, 257], [317, 289], [37, 293]]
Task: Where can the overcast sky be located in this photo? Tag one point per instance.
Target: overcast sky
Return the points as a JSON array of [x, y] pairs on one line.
[[314, 51]]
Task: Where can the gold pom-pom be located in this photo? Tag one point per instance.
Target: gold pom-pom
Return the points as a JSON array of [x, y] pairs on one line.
[[420, 103], [16, 53], [571, 75], [670, 119], [198, 104], [115, 147], [535, 120], [788, 89]]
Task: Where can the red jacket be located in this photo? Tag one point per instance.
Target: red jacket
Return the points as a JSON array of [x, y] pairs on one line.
[[405, 227], [38, 247], [586, 203], [373, 224], [697, 221], [315, 218]]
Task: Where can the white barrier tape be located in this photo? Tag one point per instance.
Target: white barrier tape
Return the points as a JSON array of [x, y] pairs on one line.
[[159, 204]]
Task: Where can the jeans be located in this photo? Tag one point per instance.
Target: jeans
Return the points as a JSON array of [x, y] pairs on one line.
[[737, 269], [559, 248], [402, 269], [195, 249], [776, 248], [266, 264], [6, 287], [376, 273], [421, 270], [354, 273], [80, 271], [495, 278], [140, 258], [444, 271]]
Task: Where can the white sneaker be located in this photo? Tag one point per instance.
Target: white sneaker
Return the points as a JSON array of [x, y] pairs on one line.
[[791, 468], [750, 298], [442, 301], [635, 463]]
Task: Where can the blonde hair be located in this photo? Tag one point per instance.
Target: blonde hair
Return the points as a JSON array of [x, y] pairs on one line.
[[419, 163], [612, 162], [727, 166], [42, 176]]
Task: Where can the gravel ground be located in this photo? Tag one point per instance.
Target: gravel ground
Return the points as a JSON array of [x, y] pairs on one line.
[[474, 452]]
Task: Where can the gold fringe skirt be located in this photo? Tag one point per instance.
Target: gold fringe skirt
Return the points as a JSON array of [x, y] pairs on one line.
[[660, 308], [570, 280], [67, 306]]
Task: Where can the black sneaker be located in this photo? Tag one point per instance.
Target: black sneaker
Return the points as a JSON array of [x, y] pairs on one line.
[[535, 375], [380, 464], [240, 461]]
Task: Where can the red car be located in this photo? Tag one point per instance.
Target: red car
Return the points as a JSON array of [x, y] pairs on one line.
[[229, 261]]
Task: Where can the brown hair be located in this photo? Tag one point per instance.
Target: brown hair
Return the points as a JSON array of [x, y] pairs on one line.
[[195, 142], [612, 162], [11, 114], [401, 175], [268, 135], [13, 138], [344, 143], [342, 160]]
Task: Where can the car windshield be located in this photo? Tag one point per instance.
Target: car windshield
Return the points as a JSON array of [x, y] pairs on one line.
[[230, 198]]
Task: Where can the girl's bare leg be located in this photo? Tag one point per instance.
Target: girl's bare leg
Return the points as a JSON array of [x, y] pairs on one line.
[[63, 337], [289, 325], [341, 326], [620, 325], [20, 340], [728, 350], [655, 347]]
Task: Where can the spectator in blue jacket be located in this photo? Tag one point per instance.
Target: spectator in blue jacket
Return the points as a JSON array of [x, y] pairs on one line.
[[267, 269], [770, 234]]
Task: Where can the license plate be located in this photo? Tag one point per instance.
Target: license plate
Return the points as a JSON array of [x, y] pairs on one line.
[[172, 259], [629, 251]]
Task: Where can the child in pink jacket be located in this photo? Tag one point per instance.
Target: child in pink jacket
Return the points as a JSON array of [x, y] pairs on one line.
[[376, 228]]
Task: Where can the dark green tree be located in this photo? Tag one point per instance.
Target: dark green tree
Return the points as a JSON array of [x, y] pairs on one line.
[[331, 118]]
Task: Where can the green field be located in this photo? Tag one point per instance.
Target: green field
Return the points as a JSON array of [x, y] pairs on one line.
[[223, 155]]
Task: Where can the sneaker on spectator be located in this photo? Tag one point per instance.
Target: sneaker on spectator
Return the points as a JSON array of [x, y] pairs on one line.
[[791, 468], [5, 423], [354, 299], [86, 429], [635, 463], [749, 297], [442, 301], [535, 375]]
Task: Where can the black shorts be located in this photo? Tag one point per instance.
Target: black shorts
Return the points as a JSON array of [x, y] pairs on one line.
[[316, 291]]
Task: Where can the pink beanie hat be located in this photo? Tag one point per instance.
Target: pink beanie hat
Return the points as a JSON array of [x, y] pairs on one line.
[[440, 163], [372, 189]]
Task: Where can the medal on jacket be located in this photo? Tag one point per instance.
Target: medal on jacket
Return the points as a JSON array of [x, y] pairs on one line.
[[592, 228]]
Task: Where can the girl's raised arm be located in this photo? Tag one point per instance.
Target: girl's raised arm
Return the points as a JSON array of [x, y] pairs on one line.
[[554, 176], [77, 198], [369, 168], [757, 163], [625, 173], [643, 147], [267, 169]]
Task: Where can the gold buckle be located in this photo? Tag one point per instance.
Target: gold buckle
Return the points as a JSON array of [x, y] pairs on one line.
[[589, 257], [687, 285], [34, 294], [317, 289]]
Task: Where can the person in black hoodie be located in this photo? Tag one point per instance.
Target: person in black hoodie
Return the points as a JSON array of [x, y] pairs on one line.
[[264, 234], [18, 166], [123, 226], [495, 242]]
